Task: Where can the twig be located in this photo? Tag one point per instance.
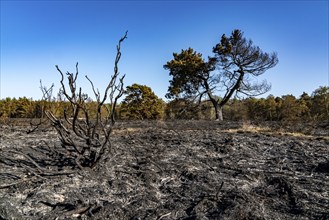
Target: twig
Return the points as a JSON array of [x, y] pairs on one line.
[[11, 184]]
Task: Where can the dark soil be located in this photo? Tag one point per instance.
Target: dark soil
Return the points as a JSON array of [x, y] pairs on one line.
[[168, 170]]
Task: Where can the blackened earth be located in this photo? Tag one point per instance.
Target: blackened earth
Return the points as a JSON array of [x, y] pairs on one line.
[[168, 170]]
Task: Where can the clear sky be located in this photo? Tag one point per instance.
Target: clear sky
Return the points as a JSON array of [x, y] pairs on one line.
[[37, 35]]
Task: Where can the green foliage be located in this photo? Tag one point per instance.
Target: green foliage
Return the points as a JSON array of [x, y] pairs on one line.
[[320, 103], [141, 103], [188, 71], [271, 108], [16, 108], [187, 109], [262, 109], [290, 108], [179, 109], [236, 110]]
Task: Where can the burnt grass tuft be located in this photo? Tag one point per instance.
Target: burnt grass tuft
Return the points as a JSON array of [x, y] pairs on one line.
[[167, 170]]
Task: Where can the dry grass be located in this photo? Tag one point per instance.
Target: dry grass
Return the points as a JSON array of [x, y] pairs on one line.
[[126, 131], [248, 127]]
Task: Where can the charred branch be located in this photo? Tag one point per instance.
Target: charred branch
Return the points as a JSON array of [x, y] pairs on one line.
[[88, 136]]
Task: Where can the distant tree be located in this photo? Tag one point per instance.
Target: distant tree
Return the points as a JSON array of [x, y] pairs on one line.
[[6, 107], [37, 109], [256, 108], [261, 109], [320, 103], [291, 109], [271, 108], [12, 107], [23, 108], [236, 109], [141, 103], [306, 101], [238, 62], [179, 109]]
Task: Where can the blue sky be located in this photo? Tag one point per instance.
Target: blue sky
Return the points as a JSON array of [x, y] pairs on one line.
[[37, 35]]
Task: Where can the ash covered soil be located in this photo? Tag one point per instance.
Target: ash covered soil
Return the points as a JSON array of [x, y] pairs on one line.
[[168, 170]]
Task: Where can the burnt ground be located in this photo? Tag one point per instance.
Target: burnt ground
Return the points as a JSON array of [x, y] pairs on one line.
[[168, 170]]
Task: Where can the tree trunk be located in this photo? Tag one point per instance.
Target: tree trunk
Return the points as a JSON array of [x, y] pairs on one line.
[[218, 107], [220, 114], [218, 111]]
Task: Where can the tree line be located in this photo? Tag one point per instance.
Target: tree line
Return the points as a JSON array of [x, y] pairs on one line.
[[141, 103]]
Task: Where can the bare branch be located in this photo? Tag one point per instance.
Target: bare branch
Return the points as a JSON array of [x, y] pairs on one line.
[[116, 72], [88, 138]]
